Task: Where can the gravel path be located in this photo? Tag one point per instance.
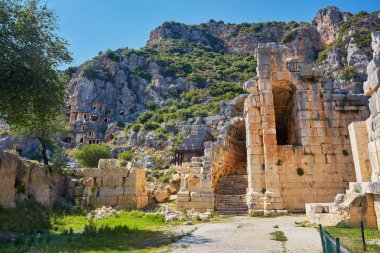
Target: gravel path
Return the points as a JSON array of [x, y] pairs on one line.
[[246, 234]]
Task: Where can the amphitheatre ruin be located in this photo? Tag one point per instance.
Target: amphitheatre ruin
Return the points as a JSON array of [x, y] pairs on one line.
[[187, 143]]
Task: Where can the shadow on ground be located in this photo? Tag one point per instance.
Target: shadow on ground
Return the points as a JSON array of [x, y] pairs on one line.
[[103, 239]]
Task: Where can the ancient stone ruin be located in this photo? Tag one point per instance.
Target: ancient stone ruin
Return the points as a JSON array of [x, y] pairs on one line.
[[362, 200], [20, 178], [114, 185], [289, 146]]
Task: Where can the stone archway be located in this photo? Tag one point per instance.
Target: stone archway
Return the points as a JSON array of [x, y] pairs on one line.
[[231, 186]]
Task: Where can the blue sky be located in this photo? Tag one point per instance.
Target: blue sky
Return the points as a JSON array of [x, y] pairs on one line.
[[94, 25]]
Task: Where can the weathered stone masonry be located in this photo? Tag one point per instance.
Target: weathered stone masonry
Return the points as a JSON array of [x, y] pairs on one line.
[[114, 185], [362, 200], [296, 145]]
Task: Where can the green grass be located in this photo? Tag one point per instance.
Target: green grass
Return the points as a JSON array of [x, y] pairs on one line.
[[350, 238], [132, 231], [278, 236]]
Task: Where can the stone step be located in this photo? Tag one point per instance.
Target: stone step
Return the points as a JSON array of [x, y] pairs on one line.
[[231, 192], [196, 164], [232, 211], [230, 195]]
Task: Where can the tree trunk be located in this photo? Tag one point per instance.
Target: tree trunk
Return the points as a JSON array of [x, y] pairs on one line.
[[43, 151]]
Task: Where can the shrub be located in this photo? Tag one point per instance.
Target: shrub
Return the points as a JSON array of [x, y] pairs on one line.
[[60, 159], [289, 37], [323, 54], [90, 154], [112, 55], [120, 123], [141, 72], [136, 127], [144, 117], [300, 171], [151, 105], [348, 73], [150, 126], [89, 72], [126, 155], [70, 71]]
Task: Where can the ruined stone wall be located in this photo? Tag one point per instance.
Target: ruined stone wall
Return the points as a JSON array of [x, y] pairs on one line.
[[224, 157], [20, 178], [196, 191], [296, 138], [361, 202], [113, 185], [315, 163]]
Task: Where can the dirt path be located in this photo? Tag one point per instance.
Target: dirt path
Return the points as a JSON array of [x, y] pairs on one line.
[[245, 234]]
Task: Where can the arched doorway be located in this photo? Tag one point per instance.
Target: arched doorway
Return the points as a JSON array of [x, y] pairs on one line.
[[231, 186]]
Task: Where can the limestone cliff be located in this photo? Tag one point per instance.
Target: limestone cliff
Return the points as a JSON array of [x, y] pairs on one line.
[[327, 22], [20, 178]]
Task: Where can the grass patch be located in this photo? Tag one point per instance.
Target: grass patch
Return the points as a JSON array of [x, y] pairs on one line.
[[278, 236], [28, 216], [133, 231], [350, 238]]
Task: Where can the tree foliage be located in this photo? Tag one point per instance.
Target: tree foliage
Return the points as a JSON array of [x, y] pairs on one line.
[[90, 154], [32, 91]]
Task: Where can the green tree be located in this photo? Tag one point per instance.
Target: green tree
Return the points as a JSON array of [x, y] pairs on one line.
[[47, 132], [90, 154], [32, 90]]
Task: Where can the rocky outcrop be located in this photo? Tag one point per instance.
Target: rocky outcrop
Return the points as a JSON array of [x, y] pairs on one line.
[[373, 70], [327, 22], [220, 36], [20, 178], [176, 30]]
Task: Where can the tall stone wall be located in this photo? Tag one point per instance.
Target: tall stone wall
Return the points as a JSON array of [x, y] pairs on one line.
[[296, 147], [113, 185], [361, 202], [315, 163]]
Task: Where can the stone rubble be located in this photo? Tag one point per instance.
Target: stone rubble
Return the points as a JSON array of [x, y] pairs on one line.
[[171, 214], [101, 213]]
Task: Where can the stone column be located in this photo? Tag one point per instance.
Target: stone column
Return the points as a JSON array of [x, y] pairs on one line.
[[359, 146], [273, 199], [255, 153]]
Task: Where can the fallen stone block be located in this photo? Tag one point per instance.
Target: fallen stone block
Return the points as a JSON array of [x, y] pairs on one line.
[[170, 189], [161, 196]]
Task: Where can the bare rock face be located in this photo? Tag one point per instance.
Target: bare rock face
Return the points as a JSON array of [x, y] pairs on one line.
[[373, 71], [220, 36], [327, 23], [357, 58], [305, 45], [20, 178], [177, 30]]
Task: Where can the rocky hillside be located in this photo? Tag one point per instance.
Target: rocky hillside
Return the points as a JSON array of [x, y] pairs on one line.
[[142, 99]]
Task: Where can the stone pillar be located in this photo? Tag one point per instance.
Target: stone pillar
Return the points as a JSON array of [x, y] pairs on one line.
[[255, 153], [359, 145], [273, 199]]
